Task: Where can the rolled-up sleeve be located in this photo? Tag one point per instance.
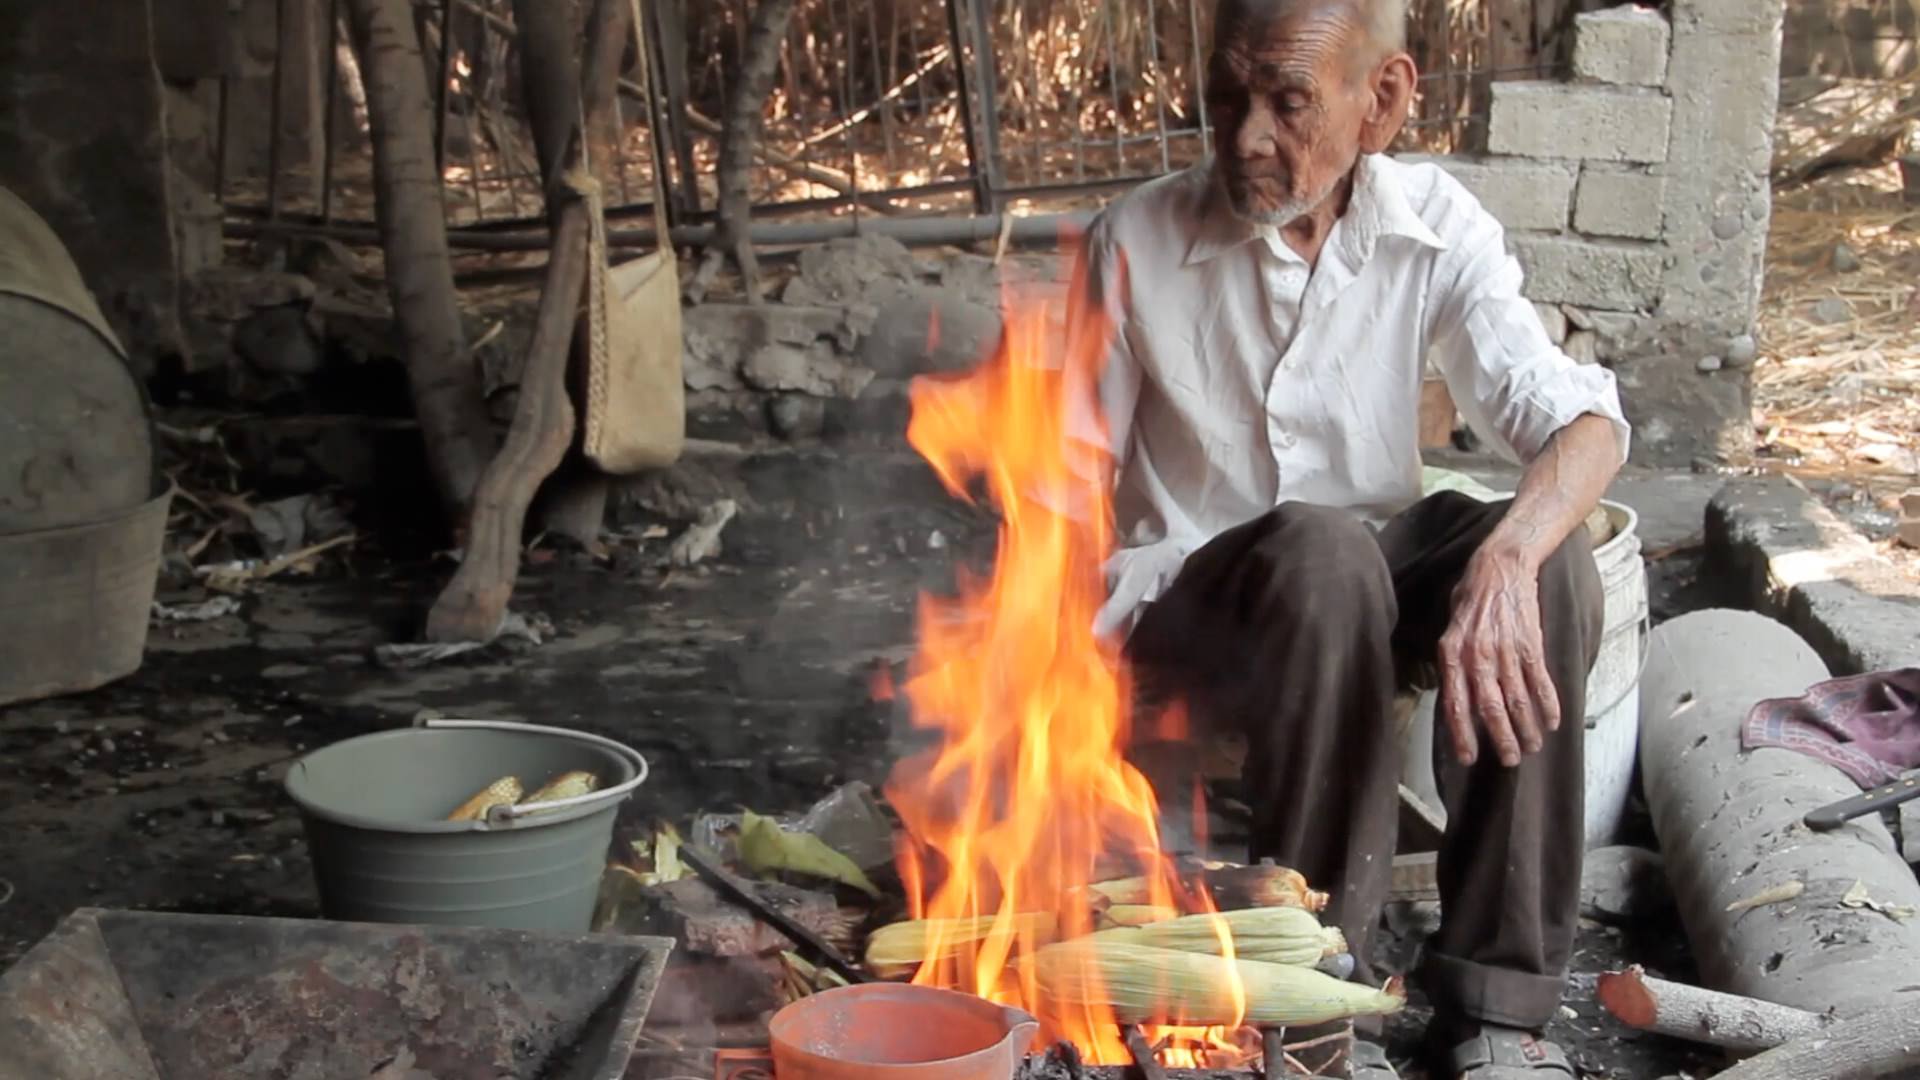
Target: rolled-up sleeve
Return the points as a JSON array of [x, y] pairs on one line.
[[1513, 386], [1102, 412]]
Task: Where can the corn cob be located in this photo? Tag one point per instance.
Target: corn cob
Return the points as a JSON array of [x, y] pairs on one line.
[[1231, 887], [903, 946], [1279, 935], [502, 792], [1142, 984], [1134, 915], [565, 786]]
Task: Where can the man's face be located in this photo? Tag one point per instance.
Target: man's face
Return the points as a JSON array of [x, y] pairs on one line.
[[1287, 96]]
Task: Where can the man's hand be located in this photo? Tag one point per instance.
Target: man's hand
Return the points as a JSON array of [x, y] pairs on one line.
[[1493, 668]]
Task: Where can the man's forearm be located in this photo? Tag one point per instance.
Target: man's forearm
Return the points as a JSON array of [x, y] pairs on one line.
[[1557, 492]]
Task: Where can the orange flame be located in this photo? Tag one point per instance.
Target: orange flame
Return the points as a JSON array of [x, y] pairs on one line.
[[1028, 790]]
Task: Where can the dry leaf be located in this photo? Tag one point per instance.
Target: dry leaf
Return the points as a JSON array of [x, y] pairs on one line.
[[1858, 898], [1775, 895]]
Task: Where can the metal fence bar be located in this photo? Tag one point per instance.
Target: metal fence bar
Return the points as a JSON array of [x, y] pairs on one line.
[[327, 131], [983, 63], [1159, 85], [276, 120], [1199, 77], [443, 97], [983, 188]]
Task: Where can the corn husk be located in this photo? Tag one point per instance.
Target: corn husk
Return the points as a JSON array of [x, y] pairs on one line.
[[1232, 886], [899, 948], [1142, 984], [502, 792], [766, 848], [565, 786], [1133, 915], [1277, 935]]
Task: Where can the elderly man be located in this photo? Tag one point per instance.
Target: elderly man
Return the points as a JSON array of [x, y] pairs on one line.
[[1272, 314]]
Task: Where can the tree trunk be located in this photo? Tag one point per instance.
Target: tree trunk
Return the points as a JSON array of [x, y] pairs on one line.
[[745, 118], [446, 388], [474, 604]]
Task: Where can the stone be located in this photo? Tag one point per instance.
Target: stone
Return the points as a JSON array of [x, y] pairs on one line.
[[1803, 564], [924, 329], [1522, 194], [814, 371], [1624, 883], [1578, 318], [1707, 365], [841, 270], [1831, 311], [716, 338], [1619, 202], [1583, 346], [1555, 320], [1742, 350], [1562, 120], [796, 416], [1626, 45], [1593, 274], [1845, 259], [278, 341], [1908, 529]]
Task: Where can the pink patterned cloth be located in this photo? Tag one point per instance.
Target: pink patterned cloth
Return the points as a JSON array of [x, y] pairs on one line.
[[1867, 726]]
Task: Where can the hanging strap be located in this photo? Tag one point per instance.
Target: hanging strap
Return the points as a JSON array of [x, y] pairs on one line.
[[644, 59]]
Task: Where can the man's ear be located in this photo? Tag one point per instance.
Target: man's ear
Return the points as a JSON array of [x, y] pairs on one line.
[[1391, 92]]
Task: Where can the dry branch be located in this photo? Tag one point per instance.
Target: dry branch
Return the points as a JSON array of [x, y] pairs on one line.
[[1882, 1043], [445, 385], [745, 119], [1703, 1016]]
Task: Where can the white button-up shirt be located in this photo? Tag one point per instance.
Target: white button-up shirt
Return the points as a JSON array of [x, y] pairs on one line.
[[1239, 377]]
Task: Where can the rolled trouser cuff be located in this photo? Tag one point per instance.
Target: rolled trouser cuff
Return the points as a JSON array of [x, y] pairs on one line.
[[1491, 995]]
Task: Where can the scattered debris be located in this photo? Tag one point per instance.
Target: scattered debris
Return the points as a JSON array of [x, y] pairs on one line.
[[286, 525], [1858, 898], [1778, 894], [1845, 259], [402, 656], [201, 611], [767, 848], [701, 540], [240, 575]]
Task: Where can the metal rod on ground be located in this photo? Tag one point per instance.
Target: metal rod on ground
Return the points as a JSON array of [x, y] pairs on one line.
[[708, 867], [1150, 1069], [1273, 1052]]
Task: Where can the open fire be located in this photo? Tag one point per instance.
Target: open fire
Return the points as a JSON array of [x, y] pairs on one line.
[[1028, 800]]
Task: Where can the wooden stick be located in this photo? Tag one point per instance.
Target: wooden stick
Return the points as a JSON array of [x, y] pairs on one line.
[[1150, 1068], [475, 602], [1701, 1015], [1884, 1042]]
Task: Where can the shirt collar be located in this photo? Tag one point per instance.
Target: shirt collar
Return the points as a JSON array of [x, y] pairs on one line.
[[1378, 208]]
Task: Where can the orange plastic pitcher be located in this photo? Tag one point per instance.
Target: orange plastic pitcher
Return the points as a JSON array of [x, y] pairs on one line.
[[894, 1031]]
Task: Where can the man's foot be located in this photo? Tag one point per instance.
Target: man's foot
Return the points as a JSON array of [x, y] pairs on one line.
[[1493, 1052]]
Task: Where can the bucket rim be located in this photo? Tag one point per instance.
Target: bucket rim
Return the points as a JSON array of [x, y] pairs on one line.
[[157, 503], [557, 812]]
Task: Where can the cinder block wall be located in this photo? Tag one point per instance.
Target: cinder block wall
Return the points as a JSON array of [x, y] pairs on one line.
[[1635, 196]]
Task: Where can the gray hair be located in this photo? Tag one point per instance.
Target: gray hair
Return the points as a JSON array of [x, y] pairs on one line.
[[1385, 21]]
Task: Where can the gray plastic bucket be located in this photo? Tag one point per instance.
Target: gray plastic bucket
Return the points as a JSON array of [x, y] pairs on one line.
[[375, 811]]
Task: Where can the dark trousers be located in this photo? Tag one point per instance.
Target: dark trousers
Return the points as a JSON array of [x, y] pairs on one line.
[[1298, 629]]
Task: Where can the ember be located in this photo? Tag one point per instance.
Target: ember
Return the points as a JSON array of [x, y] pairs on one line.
[[1029, 790]]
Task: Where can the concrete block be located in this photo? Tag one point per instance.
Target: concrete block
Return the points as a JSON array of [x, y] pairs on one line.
[[1620, 202], [1590, 273], [1728, 16], [1566, 120], [1522, 194], [1626, 45], [1554, 318], [1804, 565]]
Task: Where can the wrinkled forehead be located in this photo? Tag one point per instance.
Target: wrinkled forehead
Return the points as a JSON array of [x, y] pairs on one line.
[[1266, 41]]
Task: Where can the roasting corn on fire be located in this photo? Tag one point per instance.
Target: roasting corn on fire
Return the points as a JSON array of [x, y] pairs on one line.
[[1143, 984], [1279, 935], [903, 946]]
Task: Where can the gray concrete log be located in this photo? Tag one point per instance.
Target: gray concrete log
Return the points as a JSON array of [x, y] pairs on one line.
[[1873, 1046], [1729, 825]]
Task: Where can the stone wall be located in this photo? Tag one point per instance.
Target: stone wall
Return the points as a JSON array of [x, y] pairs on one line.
[[1635, 196]]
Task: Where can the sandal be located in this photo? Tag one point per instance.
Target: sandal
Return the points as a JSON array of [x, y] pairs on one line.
[[1503, 1053]]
